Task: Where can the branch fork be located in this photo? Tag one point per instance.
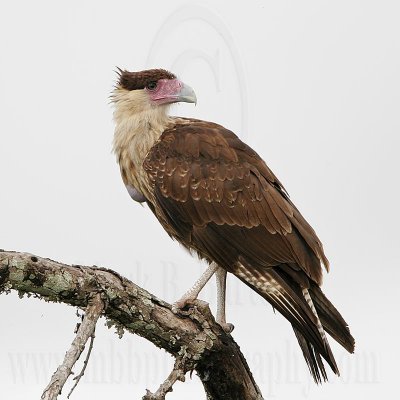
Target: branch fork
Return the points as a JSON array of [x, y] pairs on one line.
[[195, 340]]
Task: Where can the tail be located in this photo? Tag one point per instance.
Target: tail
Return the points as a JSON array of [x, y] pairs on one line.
[[309, 312], [331, 319]]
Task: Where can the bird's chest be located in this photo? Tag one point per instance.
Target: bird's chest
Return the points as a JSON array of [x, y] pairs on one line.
[[131, 161], [135, 176], [131, 155]]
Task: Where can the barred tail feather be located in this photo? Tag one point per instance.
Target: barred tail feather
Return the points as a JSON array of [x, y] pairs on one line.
[[310, 303], [331, 319], [296, 308]]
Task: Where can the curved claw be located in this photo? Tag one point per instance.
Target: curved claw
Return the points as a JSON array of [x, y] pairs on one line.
[[226, 326], [181, 304]]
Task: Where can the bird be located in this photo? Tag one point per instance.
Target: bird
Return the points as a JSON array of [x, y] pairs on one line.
[[216, 196]]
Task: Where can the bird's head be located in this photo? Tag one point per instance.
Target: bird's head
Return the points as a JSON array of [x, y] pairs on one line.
[[150, 89]]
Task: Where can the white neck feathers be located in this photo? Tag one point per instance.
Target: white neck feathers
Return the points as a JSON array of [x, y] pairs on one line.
[[139, 124], [144, 126]]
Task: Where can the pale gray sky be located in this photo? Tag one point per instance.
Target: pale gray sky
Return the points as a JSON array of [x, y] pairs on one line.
[[313, 86]]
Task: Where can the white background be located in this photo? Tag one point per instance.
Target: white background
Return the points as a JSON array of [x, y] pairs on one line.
[[313, 86]]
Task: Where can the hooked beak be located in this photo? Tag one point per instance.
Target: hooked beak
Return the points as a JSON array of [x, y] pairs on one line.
[[186, 94]]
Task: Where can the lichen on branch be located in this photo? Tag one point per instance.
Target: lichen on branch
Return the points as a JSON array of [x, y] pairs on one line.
[[194, 335]]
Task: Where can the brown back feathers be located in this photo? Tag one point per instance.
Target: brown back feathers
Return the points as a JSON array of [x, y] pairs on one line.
[[216, 196]]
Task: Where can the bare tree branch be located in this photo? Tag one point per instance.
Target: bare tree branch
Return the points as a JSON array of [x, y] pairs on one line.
[[207, 349], [85, 363], [84, 332]]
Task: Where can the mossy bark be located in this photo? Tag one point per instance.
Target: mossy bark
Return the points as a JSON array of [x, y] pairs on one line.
[[207, 348]]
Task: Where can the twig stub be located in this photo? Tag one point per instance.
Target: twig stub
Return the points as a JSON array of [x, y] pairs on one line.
[[177, 373]]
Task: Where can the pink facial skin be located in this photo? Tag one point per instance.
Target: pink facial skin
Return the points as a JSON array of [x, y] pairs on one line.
[[167, 91]]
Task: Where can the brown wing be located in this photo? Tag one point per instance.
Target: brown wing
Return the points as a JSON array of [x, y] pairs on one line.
[[216, 196], [223, 200]]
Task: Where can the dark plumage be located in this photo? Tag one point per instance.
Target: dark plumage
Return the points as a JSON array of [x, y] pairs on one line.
[[219, 198]]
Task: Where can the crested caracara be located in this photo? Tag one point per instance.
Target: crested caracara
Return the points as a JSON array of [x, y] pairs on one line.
[[217, 197]]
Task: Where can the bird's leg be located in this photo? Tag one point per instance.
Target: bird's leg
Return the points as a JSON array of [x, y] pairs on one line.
[[220, 274], [194, 291]]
